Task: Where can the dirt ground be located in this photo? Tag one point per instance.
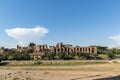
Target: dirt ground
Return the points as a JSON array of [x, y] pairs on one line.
[[86, 72]]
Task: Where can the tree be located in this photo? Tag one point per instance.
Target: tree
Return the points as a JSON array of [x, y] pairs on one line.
[[67, 57], [17, 56], [49, 56], [32, 44], [101, 49], [95, 55], [80, 54], [52, 55], [117, 51], [61, 55], [72, 55], [86, 55], [111, 55], [10, 58], [4, 56], [25, 55]]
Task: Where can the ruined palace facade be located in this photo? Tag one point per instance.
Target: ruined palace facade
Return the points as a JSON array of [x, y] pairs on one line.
[[39, 50], [60, 47]]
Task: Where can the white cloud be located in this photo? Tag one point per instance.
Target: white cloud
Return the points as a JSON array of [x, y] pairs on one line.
[[116, 39], [26, 35]]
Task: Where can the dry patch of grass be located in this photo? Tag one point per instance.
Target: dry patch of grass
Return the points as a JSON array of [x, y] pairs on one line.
[[20, 63], [73, 65], [56, 63]]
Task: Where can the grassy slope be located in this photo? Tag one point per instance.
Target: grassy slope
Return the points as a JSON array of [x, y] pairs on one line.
[[84, 65], [56, 63]]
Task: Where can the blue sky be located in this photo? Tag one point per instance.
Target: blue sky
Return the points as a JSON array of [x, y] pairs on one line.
[[77, 22]]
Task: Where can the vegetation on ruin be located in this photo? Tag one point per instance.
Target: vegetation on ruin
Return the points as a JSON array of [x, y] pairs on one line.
[[24, 55], [103, 53]]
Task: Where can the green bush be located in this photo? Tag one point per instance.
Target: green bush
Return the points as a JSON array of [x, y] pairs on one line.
[[37, 62], [111, 55], [10, 58], [76, 58]]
